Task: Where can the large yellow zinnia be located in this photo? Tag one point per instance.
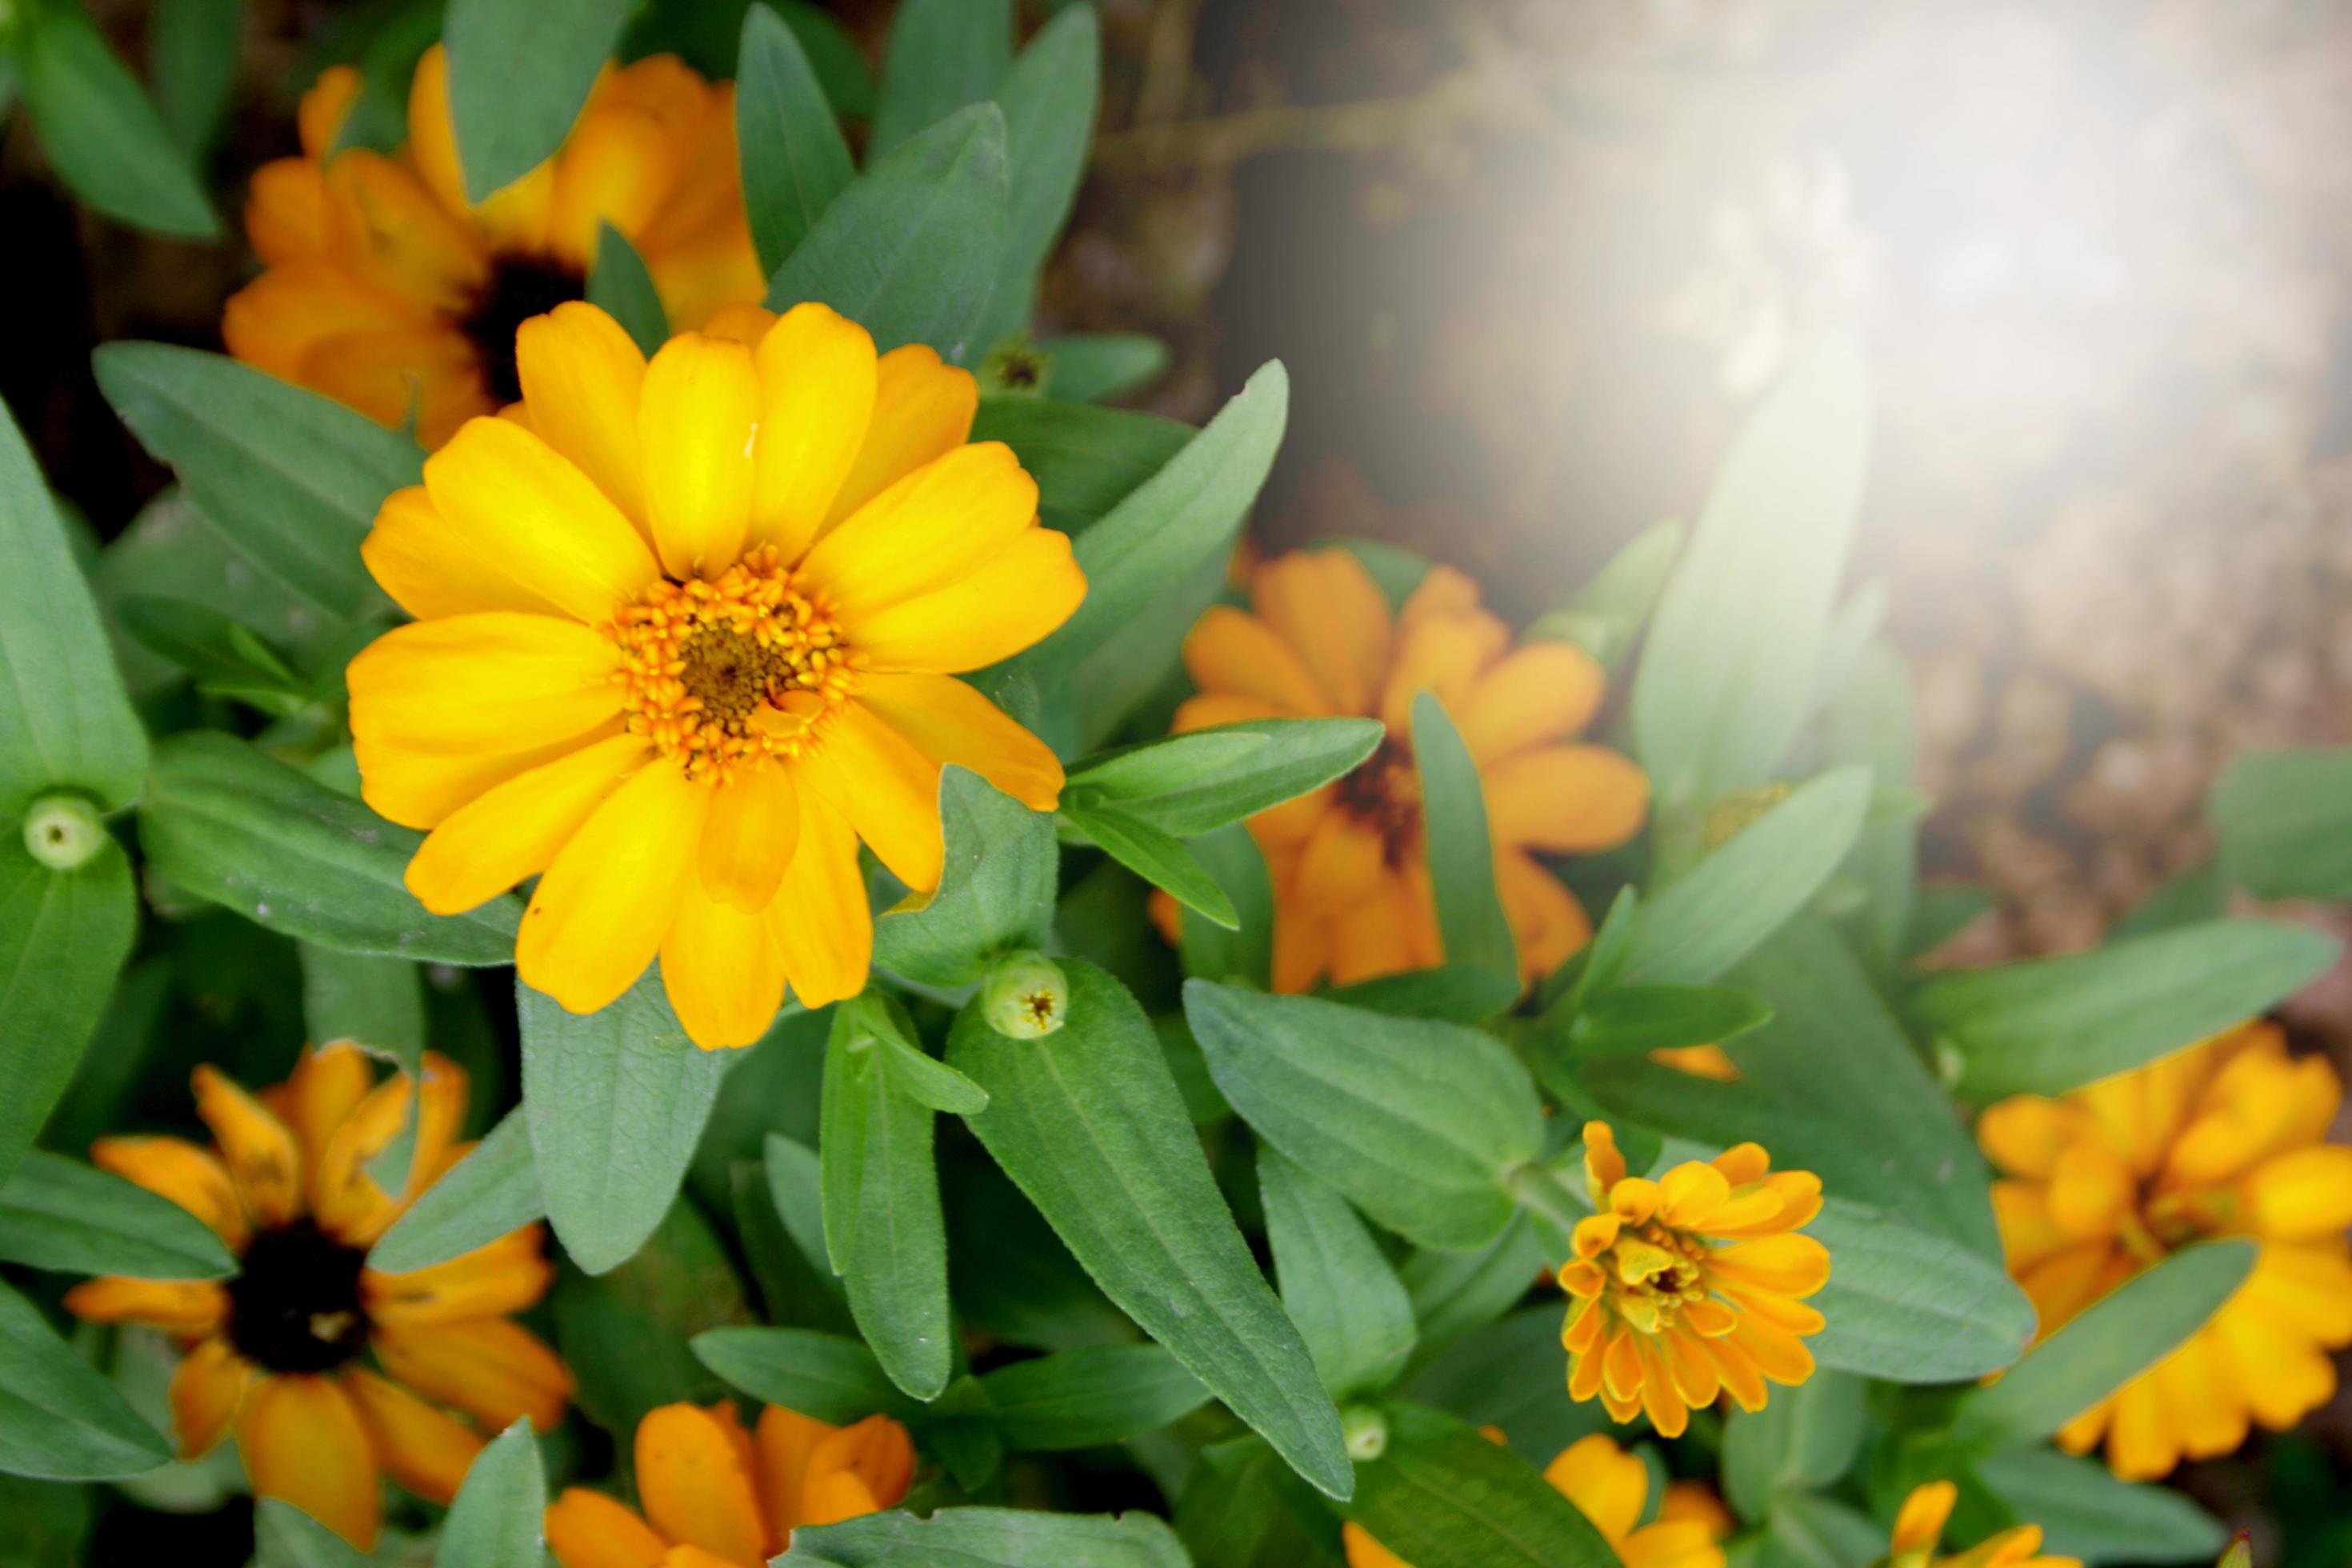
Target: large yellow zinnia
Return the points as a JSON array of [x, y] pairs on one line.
[[687, 632], [280, 1354], [2226, 1138], [388, 291]]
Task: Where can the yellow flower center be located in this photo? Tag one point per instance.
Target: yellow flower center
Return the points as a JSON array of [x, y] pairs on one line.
[[723, 671], [1652, 1271]]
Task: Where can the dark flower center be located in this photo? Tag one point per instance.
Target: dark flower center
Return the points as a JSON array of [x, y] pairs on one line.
[[295, 1307], [1384, 794], [731, 673], [520, 287]]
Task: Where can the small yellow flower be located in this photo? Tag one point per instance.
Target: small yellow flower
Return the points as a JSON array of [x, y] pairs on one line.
[[1921, 1522], [1690, 1285], [276, 1354], [2225, 1138], [715, 1496], [1352, 886], [387, 289], [687, 632], [1607, 1486], [1698, 1061]]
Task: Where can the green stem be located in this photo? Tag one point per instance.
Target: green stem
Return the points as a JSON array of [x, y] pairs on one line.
[[1540, 1192]]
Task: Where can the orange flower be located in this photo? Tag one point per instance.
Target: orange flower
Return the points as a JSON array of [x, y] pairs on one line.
[[1350, 878], [1921, 1522], [716, 1495], [387, 289], [2225, 1138], [1692, 1284], [276, 1353]]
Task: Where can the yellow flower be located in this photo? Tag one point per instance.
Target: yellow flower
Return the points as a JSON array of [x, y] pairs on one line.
[[1350, 878], [1689, 1284], [1607, 1486], [276, 1354], [385, 289], [2224, 1138], [715, 1496], [1921, 1522], [688, 631], [1698, 1061]]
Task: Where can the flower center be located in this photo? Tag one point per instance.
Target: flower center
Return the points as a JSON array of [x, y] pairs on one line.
[[1384, 794], [721, 672], [1653, 1272], [295, 1304], [519, 287]]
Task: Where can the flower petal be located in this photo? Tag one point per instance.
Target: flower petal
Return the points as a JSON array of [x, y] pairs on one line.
[[950, 722], [206, 1389], [495, 1371], [1326, 607], [823, 924], [862, 1468], [926, 532], [754, 823], [923, 408], [1607, 1484], [721, 966], [581, 377], [424, 1450], [302, 1443], [498, 683], [1566, 799], [886, 787], [695, 1485], [1540, 691], [694, 426], [500, 1277], [589, 1530], [818, 378], [514, 831], [529, 508], [1231, 653], [599, 914], [186, 1309], [176, 1169], [263, 1160], [1009, 602], [2302, 1196]]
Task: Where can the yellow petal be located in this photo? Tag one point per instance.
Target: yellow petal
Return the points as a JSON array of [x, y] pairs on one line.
[[723, 967], [922, 409], [490, 684], [495, 1371], [1920, 1522], [1364, 1551], [589, 1530], [1230, 653], [615, 167], [926, 532], [696, 1487], [188, 1309], [694, 426], [1787, 1265], [1566, 799], [888, 790], [319, 119], [950, 722], [755, 821], [1672, 1543], [1009, 602], [599, 914], [529, 507], [176, 1169], [823, 924], [817, 382], [432, 135], [582, 377], [259, 1151], [422, 1448], [515, 830], [348, 1202], [1607, 1484], [2025, 1133], [399, 238], [302, 1443], [206, 1388], [432, 569], [1692, 1193], [2302, 1196]]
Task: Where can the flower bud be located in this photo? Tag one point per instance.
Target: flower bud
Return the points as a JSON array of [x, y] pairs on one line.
[[1365, 1431], [63, 830], [1025, 996]]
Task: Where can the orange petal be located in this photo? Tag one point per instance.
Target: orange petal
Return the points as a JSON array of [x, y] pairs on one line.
[[1539, 693], [176, 1169], [206, 1388], [1325, 605], [1566, 799], [302, 1443], [263, 1159], [696, 1487], [1231, 653], [422, 1448], [188, 1308], [589, 1530], [495, 1371], [507, 1276]]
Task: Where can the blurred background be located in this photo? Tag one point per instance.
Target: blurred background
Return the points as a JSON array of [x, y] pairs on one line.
[[1530, 260]]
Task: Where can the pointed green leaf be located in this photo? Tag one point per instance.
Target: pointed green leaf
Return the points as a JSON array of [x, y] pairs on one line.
[[1049, 97], [833, 1378], [100, 132], [1245, 953], [944, 55], [495, 1519], [1086, 460], [63, 938], [2085, 1512], [1605, 615], [1156, 856], [1470, 918], [1908, 1305], [1440, 1496], [1804, 1439], [794, 159], [61, 1215], [286, 1537], [519, 71], [490, 1192], [996, 893], [1187, 784], [375, 1004], [620, 285], [988, 1538], [1088, 1397], [1349, 1304], [191, 53], [1628, 1019], [59, 1420]]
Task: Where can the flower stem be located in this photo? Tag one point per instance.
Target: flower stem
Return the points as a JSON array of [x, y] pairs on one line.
[[1541, 1193]]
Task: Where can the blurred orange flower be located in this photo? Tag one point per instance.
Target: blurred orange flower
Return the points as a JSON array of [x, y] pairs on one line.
[[1921, 1522]]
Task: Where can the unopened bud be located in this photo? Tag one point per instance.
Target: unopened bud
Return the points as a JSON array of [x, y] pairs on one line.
[[1025, 996], [63, 830], [1365, 1431]]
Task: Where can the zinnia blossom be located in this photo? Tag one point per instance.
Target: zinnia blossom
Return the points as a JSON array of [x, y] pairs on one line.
[[1609, 1486], [276, 1354], [1690, 1285], [715, 1496], [1351, 875], [2224, 1138], [1921, 1522], [386, 289], [687, 632]]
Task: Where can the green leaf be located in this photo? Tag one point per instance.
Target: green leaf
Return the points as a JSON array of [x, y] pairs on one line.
[[60, 1421], [1417, 1122], [226, 659], [1095, 367], [2110, 1341], [1728, 674], [929, 1082], [1470, 918], [519, 71], [495, 1519], [1156, 856], [628, 1335], [996, 893], [65, 720], [614, 1103], [1909, 1306], [1335, 1284], [1244, 951], [620, 285], [907, 249], [48, 1522], [192, 48], [1804, 1439], [1049, 97], [1086, 460], [1088, 1397], [63, 937], [2087, 1513], [789, 144], [1088, 1123], [375, 1004], [1440, 1496], [1607, 614], [2050, 1025], [225, 823], [828, 1376], [1190, 783], [1459, 992], [493, 1190], [103, 137], [2285, 822], [1809, 1531], [796, 1290], [1185, 515], [1628, 1019], [1715, 914], [1509, 1376], [1871, 723], [1010, 1275], [988, 1538], [944, 55], [290, 480], [61, 1215], [286, 1537]]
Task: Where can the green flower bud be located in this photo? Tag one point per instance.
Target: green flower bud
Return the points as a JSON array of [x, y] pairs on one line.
[[63, 830], [1025, 996], [1365, 1431]]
